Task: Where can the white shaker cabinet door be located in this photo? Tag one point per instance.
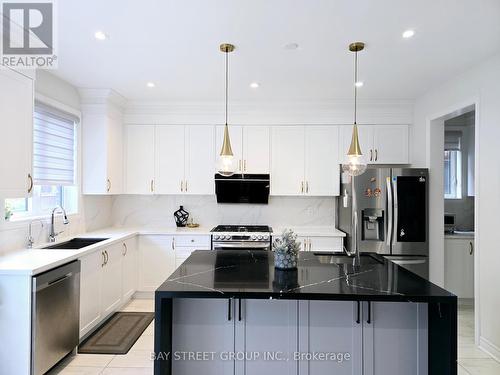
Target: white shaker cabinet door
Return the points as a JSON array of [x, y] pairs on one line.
[[459, 266], [90, 290], [169, 165], [390, 144], [256, 149], [140, 159], [236, 137], [16, 133], [330, 327], [156, 261], [266, 326], [111, 279], [200, 160], [287, 160], [129, 266], [395, 338], [322, 166], [203, 325]]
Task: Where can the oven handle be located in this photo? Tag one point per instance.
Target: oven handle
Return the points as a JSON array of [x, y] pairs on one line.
[[239, 245]]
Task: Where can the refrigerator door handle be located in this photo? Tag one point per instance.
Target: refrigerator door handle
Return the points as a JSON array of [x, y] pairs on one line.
[[389, 211], [395, 226]]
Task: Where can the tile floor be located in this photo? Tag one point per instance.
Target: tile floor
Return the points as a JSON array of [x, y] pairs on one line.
[[472, 361]]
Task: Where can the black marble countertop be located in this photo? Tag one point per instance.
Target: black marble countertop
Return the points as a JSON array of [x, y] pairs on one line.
[[251, 274]]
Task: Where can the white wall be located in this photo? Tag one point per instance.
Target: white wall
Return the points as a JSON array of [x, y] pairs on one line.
[[480, 84], [157, 211], [94, 212]]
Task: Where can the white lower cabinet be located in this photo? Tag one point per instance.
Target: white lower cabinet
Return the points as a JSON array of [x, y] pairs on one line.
[[129, 268], [321, 243], [330, 327], [184, 245], [459, 266], [107, 280], [203, 325], [157, 261]]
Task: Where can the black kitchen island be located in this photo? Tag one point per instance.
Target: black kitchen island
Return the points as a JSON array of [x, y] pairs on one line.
[[232, 312]]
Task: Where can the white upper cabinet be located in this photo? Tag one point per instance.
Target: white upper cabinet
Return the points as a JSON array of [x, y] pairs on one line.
[[102, 141], [256, 149], [287, 160], [251, 147], [322, 167], [169, 155], [199, 160], [140, 159], [381, 144], [304, 161], [16, 133]]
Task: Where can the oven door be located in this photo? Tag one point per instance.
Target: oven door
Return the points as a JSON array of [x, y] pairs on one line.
[[244, 245]]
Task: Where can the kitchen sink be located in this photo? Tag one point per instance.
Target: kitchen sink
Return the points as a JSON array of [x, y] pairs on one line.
[[75, 243], [344, 259]]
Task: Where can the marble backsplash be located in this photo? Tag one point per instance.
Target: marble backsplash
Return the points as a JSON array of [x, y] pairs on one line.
[[155, 211]]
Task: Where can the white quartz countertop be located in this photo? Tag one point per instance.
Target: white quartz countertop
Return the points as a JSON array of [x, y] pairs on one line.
[[34, 261], [316, 231]]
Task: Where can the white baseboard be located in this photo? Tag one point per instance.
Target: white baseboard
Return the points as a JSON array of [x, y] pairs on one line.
[[489, 348]]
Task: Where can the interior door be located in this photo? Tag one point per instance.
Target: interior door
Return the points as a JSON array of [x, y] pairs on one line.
[[203, 325], [330, 327], [322, 166], [169, 159], [140, 159], [287, 160], [16, 133], [266, 326], [200, 161], [256, 149], [365, 134], [236, 136], [390, 144]]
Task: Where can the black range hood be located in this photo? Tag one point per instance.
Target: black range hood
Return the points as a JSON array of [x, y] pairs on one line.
[[242, 188]]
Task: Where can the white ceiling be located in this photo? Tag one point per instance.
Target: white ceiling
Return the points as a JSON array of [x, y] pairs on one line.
[[174, 43]]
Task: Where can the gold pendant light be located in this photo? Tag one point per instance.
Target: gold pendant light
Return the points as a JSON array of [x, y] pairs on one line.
[[226, 165], [356, 162]]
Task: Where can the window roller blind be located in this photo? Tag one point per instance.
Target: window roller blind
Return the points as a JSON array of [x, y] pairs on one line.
[[54, 146], [452, 140]]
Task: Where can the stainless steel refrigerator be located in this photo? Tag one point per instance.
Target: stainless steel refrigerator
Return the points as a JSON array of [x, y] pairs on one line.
[[392, 215]]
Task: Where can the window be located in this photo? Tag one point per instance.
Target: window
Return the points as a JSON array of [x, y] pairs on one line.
[[54, 166], [452, 165]]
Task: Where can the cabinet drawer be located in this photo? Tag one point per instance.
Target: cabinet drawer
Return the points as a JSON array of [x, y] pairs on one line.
[[328, 244], [192, 241]]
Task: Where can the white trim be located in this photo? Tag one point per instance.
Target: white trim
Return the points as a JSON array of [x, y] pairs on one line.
[[488, 347], [57, 105]]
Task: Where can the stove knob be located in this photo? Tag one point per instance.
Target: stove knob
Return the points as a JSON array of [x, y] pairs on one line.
[[259, 236], [254, 237], [228, 237], [266, 237], [216, 237]]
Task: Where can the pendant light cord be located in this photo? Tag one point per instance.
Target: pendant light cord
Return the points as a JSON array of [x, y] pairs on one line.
[[227, 53], [355, 87]]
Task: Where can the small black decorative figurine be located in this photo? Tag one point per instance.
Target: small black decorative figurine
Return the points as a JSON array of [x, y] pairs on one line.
[[181, 217]]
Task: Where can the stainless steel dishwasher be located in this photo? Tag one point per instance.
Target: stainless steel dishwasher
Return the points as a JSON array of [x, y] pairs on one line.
[[55, 316]]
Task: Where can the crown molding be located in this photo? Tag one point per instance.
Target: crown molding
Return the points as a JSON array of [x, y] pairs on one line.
[[338, 111], [101, 100]]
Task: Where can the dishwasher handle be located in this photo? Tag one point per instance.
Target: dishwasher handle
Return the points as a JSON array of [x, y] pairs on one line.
[[55, 276]]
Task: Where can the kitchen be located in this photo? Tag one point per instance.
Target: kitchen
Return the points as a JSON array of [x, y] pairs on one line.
[[238, 145]]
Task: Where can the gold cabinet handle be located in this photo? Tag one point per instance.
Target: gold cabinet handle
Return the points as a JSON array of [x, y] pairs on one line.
[[125, 249], [305, 246], [106, 256], [152, 187], [182, 189], [173, 243], [302, 187], [471, 245], [376, 154], [30, 188], [185, 185], [310, 245], [307, 187], [108, 187], [371, 155]]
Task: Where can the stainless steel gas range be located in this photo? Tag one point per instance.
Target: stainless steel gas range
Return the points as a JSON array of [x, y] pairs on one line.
[[233, 237]]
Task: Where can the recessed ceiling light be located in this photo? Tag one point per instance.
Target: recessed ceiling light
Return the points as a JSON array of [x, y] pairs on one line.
[[408, 33], [359, 84], [100, 35], [150, 84], [254, 85], [291, 46]]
